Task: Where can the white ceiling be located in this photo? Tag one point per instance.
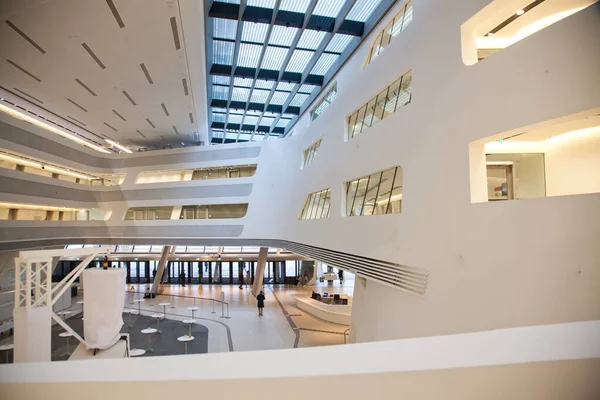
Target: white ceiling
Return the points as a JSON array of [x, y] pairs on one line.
[[61, 27]]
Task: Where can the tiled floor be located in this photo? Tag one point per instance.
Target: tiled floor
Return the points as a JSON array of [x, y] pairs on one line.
[[244, 330]]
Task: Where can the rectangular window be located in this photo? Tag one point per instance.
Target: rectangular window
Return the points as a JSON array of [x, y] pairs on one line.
[[397, 95], [317, 205], [324, 102], [309, 154], [378, 193], [213, 211], [391, 30]]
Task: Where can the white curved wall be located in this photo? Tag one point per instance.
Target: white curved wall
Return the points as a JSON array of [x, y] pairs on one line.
[[491, 265]]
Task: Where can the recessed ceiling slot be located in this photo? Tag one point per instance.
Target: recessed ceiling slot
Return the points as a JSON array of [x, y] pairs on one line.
[[115, 13], [85, 86], [75, 104], [119, 115], [28, 95], [191, 118], [165, 109], [129, 98], [175, 129], [150, 122], [144, 136], [110, 127], [93, 55], [175, 33], [145, 70], [24, 36], [23, 70], [185, 86]]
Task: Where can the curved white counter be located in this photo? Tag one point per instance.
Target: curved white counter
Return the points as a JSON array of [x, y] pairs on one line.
[[336, 313]]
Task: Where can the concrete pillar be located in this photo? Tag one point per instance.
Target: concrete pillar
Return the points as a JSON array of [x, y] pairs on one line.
[[164, 257], [259, 273]]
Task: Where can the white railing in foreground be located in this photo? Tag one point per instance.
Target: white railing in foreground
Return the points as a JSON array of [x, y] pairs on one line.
[[578, 340]]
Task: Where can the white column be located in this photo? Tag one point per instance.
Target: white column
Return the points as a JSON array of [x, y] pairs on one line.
[[259, 273]]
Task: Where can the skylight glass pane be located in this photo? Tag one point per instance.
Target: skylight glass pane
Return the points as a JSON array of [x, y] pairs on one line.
[[240, 94], [221, 80], [266, 121], [254, 32], [235, 119], [211, 249], [244, 137], [261, 84], [270, 114], [242, 82], [329, 8], [311, 39], [282, 123], [222, 52], [362, 10], [338, 43], [298, 100], [279, 97], [262, 3], [299, 60], [288, 116], [282, 35], [249, 55], [306, 89], [325, 62], [298, 6], [285, 86], [250, 120], [230, 1], [259, 96], [194, 249], [231, 135], [224, 28], [141, 249], [274, 57], [272, 137], [219, 110], [218, 117], [252, 112], [220, 92]]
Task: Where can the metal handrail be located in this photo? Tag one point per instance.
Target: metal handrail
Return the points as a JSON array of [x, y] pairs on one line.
[[346, 332], [223, 303]]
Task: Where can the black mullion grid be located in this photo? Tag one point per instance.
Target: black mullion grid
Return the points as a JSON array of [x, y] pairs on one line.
[[286, 61], [319, 205], [376, 192], [262, 55], [285, 105], [387, 93], [236, 51], [327, 195], [349, 214], [391, 190], [362, 206], [398, 95]]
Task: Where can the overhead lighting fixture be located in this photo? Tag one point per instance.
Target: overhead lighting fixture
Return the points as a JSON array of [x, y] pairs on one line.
[[118, 146], [43, 125], [36, 165], [520, 12], [35, 207]]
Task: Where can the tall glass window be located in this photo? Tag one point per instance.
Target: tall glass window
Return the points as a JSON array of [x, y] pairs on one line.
[[309, 154], [324, 102], [378, 193], [391, 30], [317, 205], [387, 102]]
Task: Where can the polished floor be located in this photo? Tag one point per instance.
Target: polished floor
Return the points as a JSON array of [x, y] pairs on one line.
[[235, 326]]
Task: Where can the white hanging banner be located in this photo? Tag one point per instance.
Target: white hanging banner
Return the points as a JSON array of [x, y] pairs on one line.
[[103, 300]]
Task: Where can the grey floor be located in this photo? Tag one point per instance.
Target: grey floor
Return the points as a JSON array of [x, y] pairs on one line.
[[163, 344]]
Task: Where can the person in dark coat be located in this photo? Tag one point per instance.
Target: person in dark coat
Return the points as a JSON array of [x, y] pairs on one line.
[[261, 303]]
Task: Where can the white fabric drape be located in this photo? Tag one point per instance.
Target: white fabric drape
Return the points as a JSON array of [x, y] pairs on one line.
[[103, 300]]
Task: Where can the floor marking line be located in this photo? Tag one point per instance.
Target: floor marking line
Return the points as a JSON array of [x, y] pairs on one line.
[[289, 320]]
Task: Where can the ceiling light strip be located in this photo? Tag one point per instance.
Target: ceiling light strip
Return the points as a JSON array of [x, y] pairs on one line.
[[23, 70], [43, 125], [28, 95], [93, 55], [115, 13], [24, 36], [118, 146]]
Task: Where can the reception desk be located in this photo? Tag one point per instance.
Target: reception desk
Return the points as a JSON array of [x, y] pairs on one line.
[[336, 313]]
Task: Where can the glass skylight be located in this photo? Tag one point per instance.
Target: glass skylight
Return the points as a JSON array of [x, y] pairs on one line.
[[262, 3], [282, 35], [255, 33], [240, 94], [310, 39], [279, 97], [259, 96], [249, 55], [224, 28], [298, 99], [223, 52], [299, 60], [329, 8], [339, 42], [274, 57], [298, 6], [362, 10], [324, 63]]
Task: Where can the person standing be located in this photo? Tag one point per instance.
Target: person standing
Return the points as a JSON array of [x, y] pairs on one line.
[[341, 276], [183, 279], [261, 303]]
